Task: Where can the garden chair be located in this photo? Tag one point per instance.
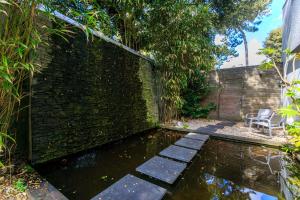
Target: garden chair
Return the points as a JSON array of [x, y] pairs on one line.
[[262, 114], [275, 122]]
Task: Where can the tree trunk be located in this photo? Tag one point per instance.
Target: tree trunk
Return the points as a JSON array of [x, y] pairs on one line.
[[246, 46]]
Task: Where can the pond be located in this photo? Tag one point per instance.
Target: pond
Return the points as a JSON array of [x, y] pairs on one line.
[[221, 170]]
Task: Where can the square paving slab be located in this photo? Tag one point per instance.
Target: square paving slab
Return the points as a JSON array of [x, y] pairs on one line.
[[163, 169], [131, 188], [190, 143], [197, 136], [178, 153]]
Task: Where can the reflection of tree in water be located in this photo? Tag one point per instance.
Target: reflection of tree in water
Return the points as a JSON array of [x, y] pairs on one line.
[[220, 188], [223, 189]]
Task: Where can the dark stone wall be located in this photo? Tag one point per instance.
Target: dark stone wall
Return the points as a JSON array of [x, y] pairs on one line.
[[88, 94]]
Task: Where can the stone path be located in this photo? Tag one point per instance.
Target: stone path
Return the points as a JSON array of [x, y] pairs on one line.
[[179, 153], [196, 136], [166, 169], [190, 143], [162, 169], [132, 188]]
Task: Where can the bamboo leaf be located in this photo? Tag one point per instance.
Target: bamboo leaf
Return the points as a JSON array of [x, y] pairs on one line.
[[288, 111], [8, 137], [5, 2], [6, 77]]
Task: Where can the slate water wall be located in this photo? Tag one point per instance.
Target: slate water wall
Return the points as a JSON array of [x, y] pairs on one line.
[[88, 94]]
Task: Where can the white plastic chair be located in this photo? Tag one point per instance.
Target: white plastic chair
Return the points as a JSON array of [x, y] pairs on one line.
[[261, 115], [275, 122]]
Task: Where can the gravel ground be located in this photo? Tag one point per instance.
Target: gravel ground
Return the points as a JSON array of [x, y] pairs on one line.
[[230, 128], [8, 188]]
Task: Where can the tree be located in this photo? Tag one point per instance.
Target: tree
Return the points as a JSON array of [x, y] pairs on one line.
[[236, 17], [274, 41], [180, 38], [181, 46]]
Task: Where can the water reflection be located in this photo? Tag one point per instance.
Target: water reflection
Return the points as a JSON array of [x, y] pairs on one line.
[[227, 170], [222, 169], [267, 157], [221, 188], [87, 160]]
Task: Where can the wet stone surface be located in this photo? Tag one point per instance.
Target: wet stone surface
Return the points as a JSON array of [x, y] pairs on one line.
[[197, 136], [190, 143], [178, 153], [131, 188], [162, 169]]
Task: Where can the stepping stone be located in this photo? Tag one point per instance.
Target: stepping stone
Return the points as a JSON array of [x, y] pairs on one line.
[[197, 136], [190, 143], [131, 188], [162, 169], [178, 153]]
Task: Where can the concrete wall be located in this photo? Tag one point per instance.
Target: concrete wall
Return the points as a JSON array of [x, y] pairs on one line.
[[241, 90], [88, 94], [291, 30], [291, 40]]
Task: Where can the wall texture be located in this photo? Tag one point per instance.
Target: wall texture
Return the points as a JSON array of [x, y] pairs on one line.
[[291, 40], [241, 90], [88, 94], [291, 31]]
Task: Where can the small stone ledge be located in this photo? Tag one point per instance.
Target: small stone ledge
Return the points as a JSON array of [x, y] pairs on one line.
[[46, 191], [228, 136]]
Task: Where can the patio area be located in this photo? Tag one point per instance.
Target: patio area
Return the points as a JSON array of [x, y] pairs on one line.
[[229, 130]]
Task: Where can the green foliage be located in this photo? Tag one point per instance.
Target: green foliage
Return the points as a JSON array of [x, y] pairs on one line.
[[28, 169], [274, 42], [185, 126], [179, 35], [197, 111], [20, 185], [87, 12], [293, 110], [197, 88], [21, 34], [294, 177], [266, 65], [292, 92], [180, 39]]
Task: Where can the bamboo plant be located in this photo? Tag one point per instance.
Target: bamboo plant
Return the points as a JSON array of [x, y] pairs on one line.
[[21, 34]]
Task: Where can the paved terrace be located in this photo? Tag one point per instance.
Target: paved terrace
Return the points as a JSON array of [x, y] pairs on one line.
[[229, 130]]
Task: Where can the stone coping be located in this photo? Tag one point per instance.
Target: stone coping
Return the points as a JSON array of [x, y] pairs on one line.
[[228, 136], [46, 191]]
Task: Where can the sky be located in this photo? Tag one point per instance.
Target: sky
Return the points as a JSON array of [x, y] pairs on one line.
[[256, 39]]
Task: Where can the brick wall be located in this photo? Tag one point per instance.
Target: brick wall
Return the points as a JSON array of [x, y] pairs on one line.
[[241, 90], [88, 94]]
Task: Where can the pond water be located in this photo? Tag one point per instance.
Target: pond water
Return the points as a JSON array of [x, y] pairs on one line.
[[221, 170]]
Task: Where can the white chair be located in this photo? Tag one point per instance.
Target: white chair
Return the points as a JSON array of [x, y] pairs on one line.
[[275, 122], [262, 114]]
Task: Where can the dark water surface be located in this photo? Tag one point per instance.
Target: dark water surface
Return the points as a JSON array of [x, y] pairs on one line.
[[221, 170]]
